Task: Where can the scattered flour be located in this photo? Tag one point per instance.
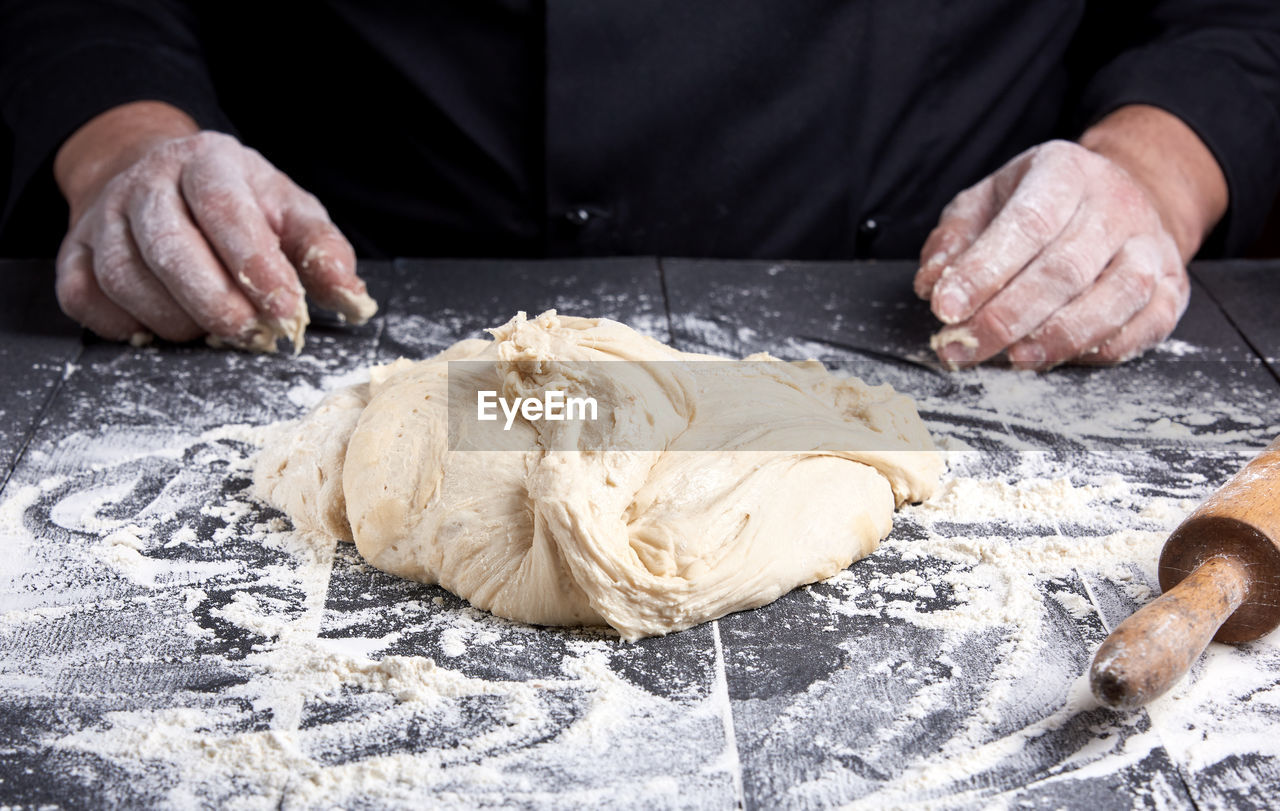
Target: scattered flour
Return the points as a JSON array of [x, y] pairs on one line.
[[954, 573], [183, 559], [122, 551], [292, 675]]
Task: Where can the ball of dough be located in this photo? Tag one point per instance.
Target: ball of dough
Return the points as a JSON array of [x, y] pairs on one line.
[[704, 486]]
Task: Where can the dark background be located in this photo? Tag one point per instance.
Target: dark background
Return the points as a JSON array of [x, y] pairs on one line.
[[17, 240]]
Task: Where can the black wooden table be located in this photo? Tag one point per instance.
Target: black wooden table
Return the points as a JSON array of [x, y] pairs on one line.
[[166, 640]]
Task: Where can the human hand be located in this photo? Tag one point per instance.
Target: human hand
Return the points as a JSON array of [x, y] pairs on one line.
[[1060, 255], [198, 235]]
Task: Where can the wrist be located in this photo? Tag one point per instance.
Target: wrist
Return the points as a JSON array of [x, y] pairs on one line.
[[111, 142], [1171, 164]]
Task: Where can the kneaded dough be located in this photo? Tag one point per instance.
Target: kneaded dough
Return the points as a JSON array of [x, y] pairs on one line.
[[705, 503]]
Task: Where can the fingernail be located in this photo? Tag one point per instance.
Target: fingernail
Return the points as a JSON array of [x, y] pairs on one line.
[[934, 261], [956, 353], [950, 305], [1028, 356], [258, 337], [314, 255], [140, 339], [284, 302], [355, 306]]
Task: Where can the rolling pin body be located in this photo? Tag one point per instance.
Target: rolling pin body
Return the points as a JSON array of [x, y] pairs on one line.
[[1220, 573]]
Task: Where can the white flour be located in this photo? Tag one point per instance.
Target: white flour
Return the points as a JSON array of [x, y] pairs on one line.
[[199, 748], [148, 572], [985, 580]]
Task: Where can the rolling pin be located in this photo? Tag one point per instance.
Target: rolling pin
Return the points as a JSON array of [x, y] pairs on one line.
[[1220, 574]]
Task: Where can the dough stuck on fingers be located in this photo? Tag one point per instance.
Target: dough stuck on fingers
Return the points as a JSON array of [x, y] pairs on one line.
[[353, 305], [701, 487], [953, 335], [266, 332], [355, 308], [293, 327]]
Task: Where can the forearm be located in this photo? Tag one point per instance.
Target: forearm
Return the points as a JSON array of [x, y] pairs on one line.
[[1170, 162], [109, 143]]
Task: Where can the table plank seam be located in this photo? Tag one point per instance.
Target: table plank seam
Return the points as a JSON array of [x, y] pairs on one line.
[[666, 299], [36, 423], [1239, 330]]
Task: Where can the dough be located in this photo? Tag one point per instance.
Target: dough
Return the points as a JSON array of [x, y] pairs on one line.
[[704, 486], [266, 332]]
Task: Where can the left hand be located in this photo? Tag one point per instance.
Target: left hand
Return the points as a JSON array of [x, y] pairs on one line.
[[1060, 255]]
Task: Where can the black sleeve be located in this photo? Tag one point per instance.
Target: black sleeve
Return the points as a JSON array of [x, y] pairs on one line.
[[1215, 64], [64, 61]]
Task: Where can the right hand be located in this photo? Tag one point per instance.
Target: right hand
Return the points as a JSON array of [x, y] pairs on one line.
[[1059, 256], [199, 235]]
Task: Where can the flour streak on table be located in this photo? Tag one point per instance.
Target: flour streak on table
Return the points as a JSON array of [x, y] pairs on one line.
[[164, 639]]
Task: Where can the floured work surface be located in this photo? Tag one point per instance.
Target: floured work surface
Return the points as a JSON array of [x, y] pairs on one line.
[[164, 640]]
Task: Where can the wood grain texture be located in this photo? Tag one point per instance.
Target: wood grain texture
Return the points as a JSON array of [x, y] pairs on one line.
[[863, 319], [1220, 573], [1155, 647], [1247, 291], [1241, 521], [841, 693], [37, 344]]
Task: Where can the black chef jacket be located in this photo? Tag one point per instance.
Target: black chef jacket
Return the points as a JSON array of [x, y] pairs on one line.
[[770, 128]]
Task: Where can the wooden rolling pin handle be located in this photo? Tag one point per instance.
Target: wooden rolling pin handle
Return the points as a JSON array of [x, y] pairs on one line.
[[1148, 652]]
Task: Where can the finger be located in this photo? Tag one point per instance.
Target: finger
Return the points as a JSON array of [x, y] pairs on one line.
[[83, 300], [1121, 291], [125, 278], [1064, 269], [1045, 198], [325, 260], [223, 205], [176, 252], [964, 218], [1152, 324]]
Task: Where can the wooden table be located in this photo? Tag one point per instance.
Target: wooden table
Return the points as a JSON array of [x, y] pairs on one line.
[[142, 592]]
